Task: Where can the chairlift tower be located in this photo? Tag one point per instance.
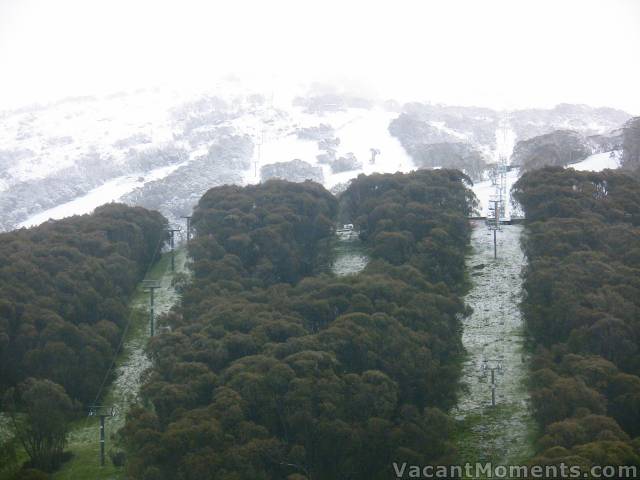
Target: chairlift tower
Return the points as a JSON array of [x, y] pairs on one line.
[[259, 144], [493, 367], [493, 221], [172, 231], [102, 412], [497, 201], [188, 219], [150, 286]]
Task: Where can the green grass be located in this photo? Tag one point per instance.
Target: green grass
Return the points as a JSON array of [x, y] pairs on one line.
[[84, 436]]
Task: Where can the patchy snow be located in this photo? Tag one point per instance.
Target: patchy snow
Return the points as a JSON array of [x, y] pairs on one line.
[[359, 130], [493, 335], [110, 191], [486, 190], [59, 135], [598, 162], [505, 140], [350, 257], [454, 133], [125, 390]]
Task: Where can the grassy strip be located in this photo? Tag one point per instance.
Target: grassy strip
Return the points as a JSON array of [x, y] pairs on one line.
[[84, 435]]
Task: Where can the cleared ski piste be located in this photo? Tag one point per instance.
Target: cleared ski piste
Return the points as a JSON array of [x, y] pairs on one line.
[[350, 257], [110, 191], [124, 391], [598, 162], [494, 335], [358, 129]]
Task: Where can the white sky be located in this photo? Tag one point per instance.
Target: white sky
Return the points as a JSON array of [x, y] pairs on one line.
[[500, 53]]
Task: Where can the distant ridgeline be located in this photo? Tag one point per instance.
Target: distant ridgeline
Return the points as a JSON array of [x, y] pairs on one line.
[[274, 370], [64, 288], [582, 309]]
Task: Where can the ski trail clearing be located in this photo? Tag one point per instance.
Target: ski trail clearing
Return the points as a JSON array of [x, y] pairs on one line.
[[124, 391], [349, 253], [493, 337]]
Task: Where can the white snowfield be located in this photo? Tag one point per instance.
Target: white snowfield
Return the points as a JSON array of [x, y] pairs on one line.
[[56, 137], [599, 162], [358, 129], [485, 191]]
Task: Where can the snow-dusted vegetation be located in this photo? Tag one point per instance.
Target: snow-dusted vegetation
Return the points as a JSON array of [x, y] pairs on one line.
[[493, 337]]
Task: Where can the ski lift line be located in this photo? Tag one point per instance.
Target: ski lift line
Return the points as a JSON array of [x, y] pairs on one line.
[[92, 411], [126, 328]]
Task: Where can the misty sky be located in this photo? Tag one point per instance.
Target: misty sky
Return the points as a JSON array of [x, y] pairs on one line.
[[504, 54]]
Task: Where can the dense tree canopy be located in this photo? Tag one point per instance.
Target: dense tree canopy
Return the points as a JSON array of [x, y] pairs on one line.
[[64, 287], [582, 309], [274, 369]]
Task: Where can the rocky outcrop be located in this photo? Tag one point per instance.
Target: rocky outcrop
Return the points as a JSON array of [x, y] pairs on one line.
[[558, 148], [294, 171]]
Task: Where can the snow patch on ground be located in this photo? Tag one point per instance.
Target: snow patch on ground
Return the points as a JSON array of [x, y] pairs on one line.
[[505, 140], [125, 390], [126, 387], [454, 133], [485, 190], [492, 335], [598, 162], [359, 130], [110, 191], [349, 255]]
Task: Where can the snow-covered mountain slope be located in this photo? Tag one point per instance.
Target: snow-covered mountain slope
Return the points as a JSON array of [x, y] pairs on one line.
[[357, 131], [108, 192], [486, 190], [163, 149], [579, 118]]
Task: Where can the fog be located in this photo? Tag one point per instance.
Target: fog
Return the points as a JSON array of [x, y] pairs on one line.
[[497, 53]]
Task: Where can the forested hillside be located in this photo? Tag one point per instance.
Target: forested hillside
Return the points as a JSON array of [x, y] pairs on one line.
[[274, 370], [582, 309], [63, 291]]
